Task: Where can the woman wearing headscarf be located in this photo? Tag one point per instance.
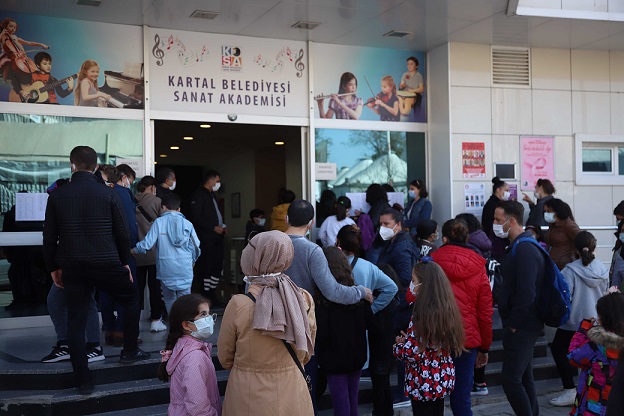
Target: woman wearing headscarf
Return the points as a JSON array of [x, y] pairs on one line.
[[264, 378]]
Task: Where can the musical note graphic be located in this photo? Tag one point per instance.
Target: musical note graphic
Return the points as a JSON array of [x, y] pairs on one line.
[[299, 65], [157, 52]]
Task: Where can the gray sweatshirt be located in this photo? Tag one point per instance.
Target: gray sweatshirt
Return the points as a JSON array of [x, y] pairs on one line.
[[587, 285], [310, 270]]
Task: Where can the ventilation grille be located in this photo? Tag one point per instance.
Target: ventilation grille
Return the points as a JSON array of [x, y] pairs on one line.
[[305, 25], [397, 34], [94, 3], [203, 14], [511, 67]]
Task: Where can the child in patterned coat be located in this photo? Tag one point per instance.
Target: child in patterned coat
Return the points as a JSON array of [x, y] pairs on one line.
[[435, 334], [594, 349]]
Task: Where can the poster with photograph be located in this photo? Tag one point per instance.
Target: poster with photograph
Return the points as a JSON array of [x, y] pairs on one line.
[[513, 192], [50, 60], [473, 160], [362, 83], [474, 198], [537, 157]]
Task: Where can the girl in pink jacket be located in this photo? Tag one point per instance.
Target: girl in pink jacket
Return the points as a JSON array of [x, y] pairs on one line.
[[187, 359]]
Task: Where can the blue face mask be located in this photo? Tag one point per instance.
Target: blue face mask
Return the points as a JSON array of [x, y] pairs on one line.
[[411, 194], [621, 237]]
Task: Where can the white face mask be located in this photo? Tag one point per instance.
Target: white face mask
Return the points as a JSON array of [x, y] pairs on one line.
[[261, 222], [172, 187], [216, 187], [549, 217], [412, 287], [499, 230], [537, 195], [126, 183], [204, 326], [386, 233], [506, 196]]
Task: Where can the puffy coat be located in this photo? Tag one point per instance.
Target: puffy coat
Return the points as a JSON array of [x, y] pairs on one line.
[[465, 270]]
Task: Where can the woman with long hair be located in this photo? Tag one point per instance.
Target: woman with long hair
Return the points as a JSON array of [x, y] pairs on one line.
[[500, 192], [332, 224]]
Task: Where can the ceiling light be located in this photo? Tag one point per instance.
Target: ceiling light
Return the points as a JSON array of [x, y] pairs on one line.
[[397, 34], [188, 137], [205, 126], [155, 162], [94, 3], [279, 143], [305, 25], [203, 14], [163, 155], [175, 148]]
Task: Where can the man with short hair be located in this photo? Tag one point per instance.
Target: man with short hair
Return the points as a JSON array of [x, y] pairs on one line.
[[523, 274], [309, 270], [166, 180], [208, 222], [86, 244]]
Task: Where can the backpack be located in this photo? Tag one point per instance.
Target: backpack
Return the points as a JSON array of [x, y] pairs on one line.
[[365, 224], [493, 271], [553, 298]]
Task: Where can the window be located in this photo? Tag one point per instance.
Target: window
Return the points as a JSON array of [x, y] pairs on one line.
[[599, 160]]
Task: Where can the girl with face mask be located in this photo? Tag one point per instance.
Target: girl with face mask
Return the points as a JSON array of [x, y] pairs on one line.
[[186, 359], [500, 192], [561, 232]]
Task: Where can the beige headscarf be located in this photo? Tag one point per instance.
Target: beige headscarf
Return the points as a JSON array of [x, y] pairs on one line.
[[281, 310]]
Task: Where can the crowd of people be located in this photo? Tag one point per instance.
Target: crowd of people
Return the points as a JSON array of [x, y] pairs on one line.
[[377, 288]]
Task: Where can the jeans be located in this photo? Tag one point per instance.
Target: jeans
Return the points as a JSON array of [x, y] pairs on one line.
[[170, 295], [559, 349], [57, 307], [464, 375], [517, 372], [79, 284], [147, 275], [108, 305], [430, 408], [344, 392], [311, 369]]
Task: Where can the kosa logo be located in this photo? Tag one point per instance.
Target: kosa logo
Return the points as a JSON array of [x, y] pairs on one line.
[[231, 59]]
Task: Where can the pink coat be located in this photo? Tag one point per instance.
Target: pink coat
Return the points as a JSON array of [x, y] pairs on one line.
[[194, 389]]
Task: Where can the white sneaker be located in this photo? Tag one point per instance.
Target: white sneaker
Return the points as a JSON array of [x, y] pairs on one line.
[[158, 326], [564, 399], [402, 404]]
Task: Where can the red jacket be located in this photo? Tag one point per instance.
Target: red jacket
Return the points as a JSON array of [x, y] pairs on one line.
[[465, 270]]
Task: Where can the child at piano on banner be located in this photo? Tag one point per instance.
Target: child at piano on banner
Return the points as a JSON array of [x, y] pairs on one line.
[[386, 104], [345, 104], [87, 92], [43, 60]]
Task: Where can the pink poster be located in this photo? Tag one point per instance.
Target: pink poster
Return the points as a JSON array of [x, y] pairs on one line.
[[473, 160], [537, 154]]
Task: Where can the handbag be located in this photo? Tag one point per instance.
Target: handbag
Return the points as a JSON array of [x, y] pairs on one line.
[[289, 347]]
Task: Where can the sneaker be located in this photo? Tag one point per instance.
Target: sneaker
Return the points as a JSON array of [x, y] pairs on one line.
[[129, 358], [479, 390], [158, 326], [95, 354], [404, 403], [59, 353], [564, 399]]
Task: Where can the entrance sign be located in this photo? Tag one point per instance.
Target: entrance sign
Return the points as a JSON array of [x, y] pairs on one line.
[[203, 72]]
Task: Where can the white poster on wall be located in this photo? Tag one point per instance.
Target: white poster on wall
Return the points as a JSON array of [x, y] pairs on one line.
[[358, 200], [136, 164], [474, 198], [30, 206], [204, 72]]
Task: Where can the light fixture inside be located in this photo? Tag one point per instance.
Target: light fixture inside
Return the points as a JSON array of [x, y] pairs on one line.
[[155, 162], [175, 148], [163, 155], [279, 143], [205, 126], [188, 137], [94, 3], [204, 14], [305, 25], [397, 34]]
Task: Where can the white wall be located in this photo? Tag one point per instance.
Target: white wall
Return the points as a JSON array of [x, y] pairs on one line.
[[573, 91]]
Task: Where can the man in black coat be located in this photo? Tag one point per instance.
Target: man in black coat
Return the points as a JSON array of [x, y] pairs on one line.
[[208, 222], [86, 244]]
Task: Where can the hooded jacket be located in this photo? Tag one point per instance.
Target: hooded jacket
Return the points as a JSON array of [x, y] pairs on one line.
[[560, 238], [587, 284], [178, 249], [194, 389], [595, 351], [278, 217], [481, 243], [153, 207], [465, 270]]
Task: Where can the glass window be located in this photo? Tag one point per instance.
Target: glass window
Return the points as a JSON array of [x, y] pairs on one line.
[[620, 160], [597, 160]]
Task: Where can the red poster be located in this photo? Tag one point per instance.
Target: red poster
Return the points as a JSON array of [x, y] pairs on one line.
[[473, 160]]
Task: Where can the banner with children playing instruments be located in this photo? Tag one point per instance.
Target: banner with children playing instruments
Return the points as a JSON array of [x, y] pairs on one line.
[[49, 60], [361, 83]]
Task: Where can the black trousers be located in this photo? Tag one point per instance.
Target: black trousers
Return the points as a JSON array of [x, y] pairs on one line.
[[147, 275], [559, 348], [380, 341], [430, 408], [209, 265], [79, 283]]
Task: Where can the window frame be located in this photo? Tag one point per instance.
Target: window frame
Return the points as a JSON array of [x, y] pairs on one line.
[[604, 142]]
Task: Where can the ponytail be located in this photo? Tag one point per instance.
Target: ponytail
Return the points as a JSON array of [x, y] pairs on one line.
[[585, 244], [343, 204]]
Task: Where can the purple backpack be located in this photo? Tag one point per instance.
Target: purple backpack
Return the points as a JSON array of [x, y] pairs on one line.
[[368, 230]]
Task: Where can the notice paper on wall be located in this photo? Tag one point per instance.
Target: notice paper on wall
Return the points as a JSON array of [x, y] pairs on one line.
[[358, 200], [30, 207], [474, 198]]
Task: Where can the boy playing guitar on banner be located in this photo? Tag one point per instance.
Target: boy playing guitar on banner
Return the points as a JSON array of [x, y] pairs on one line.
[[44, 86]]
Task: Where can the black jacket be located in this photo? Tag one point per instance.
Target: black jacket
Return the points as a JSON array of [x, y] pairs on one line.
[[536, 215], [203, 214], [85, 226], [523, 274]]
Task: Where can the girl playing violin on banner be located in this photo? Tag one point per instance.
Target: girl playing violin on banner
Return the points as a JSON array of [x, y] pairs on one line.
[[386, 104], [16, 67], [345, 104]]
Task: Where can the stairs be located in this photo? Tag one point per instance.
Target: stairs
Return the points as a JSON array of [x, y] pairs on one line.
[[32, 388]]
